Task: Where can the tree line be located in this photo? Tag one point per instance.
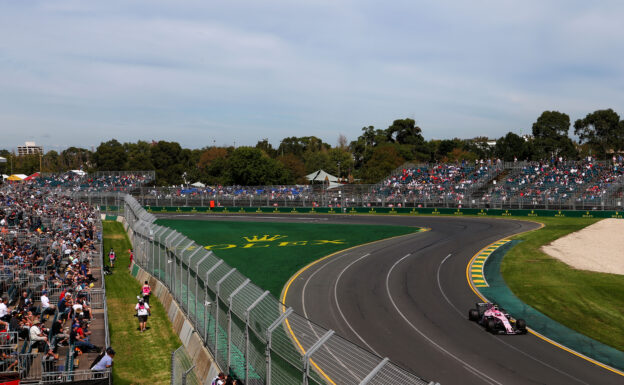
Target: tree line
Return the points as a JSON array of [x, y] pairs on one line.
[[369, 158]]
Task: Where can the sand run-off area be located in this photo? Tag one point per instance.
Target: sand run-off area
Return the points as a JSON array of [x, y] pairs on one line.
[[599, 247]]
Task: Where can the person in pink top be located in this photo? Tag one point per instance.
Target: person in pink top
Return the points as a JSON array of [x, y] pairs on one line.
[[146, 290]]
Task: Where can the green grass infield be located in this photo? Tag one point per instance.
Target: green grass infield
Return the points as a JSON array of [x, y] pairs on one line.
[[588, 302], [270, 253], [142, 358]]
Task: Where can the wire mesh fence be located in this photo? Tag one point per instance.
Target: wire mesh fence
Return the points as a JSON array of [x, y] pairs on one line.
[[182, 368], [249, 332]]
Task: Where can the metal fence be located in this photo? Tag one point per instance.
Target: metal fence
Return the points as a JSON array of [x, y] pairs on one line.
[[249, 332], [182, 368]]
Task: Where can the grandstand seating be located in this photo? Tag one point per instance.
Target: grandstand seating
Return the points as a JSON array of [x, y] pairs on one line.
[[47, 241]]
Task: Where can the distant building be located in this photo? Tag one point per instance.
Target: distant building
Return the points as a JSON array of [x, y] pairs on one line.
[[29, 148]]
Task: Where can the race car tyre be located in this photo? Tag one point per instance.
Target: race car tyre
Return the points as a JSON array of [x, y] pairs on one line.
[[521, 325], [490, 325], [473, 314]]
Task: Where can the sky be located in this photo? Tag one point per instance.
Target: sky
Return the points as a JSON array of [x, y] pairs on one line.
[[203, 73]]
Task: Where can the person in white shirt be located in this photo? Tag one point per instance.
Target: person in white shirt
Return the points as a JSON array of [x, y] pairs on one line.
[[106, 361], [4, 310], [143, 310], [46, 306], [36, 335]]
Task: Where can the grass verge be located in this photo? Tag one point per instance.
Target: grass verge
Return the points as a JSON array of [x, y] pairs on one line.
[[588, 302], [270, 261], [142, 358]]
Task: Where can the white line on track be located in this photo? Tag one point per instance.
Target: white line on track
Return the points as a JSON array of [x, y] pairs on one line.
[[498, 339], [474, 370], [340, 310], [305, 313]]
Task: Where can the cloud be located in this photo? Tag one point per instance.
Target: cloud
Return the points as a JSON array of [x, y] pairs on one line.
[[200, 72]]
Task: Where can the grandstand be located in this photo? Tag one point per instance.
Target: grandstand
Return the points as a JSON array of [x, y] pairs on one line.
[[50, 245]]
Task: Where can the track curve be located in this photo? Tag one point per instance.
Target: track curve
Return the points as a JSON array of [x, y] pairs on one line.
[[407, 299]]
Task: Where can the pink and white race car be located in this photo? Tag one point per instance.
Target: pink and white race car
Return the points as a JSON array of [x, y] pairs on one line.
[[496, 320]]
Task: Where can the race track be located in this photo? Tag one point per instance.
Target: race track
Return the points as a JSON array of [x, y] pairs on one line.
[[407, 299]]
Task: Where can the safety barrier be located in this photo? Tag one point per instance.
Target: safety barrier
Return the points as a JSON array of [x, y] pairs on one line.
[[390, 210], [248, 331]]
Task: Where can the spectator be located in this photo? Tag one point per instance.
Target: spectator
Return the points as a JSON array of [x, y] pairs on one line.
[[4, 310], [106, 361], [46, 308], [219, 380], [81, 342], [37, 336]]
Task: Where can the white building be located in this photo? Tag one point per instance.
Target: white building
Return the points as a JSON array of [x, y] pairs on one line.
[[29, 148]]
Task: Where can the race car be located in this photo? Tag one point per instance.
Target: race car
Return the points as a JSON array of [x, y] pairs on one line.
[[496, 320]]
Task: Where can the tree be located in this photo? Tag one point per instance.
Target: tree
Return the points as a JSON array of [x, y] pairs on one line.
[[602, 130], [298, 146], [341, 162], [383, 160], [512, 146], [405, 131], [316, 160], [75, 158], [550, 133], [295, 168], [139, 156], [342, 142], [265, 146], [110, 156], [167, 160], [249, 166], [51, 162]]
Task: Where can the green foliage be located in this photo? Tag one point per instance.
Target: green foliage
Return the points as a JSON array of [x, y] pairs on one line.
[[110, 156], [267, 147], [512, 146], [550, 133], [405, 131], [382, 162], [167, 160], [139, 156], [602, 130], [76, 158], [249, 166], [294, 167]]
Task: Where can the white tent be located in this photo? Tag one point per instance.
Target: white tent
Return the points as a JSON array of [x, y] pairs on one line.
[[321, 176], [198, 184], [334, 185], [2, 160], [79, 172]]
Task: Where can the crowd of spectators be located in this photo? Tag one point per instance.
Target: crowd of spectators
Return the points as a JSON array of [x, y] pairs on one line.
[[238, 192], [80, 181], [558, 181], [48, 243], [437, 182]]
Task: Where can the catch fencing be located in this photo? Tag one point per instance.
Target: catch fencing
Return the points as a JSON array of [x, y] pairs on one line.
[[182, 368], [248, 331]]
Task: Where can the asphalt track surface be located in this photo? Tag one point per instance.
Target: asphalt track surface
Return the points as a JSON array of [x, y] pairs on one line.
[[407, 299]]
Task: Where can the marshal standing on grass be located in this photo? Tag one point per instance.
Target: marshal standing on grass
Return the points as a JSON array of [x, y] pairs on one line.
[[146, 290], [112, 257], [143, 311]]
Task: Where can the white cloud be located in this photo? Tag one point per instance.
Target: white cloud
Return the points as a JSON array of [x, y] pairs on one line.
[[198, 71]]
